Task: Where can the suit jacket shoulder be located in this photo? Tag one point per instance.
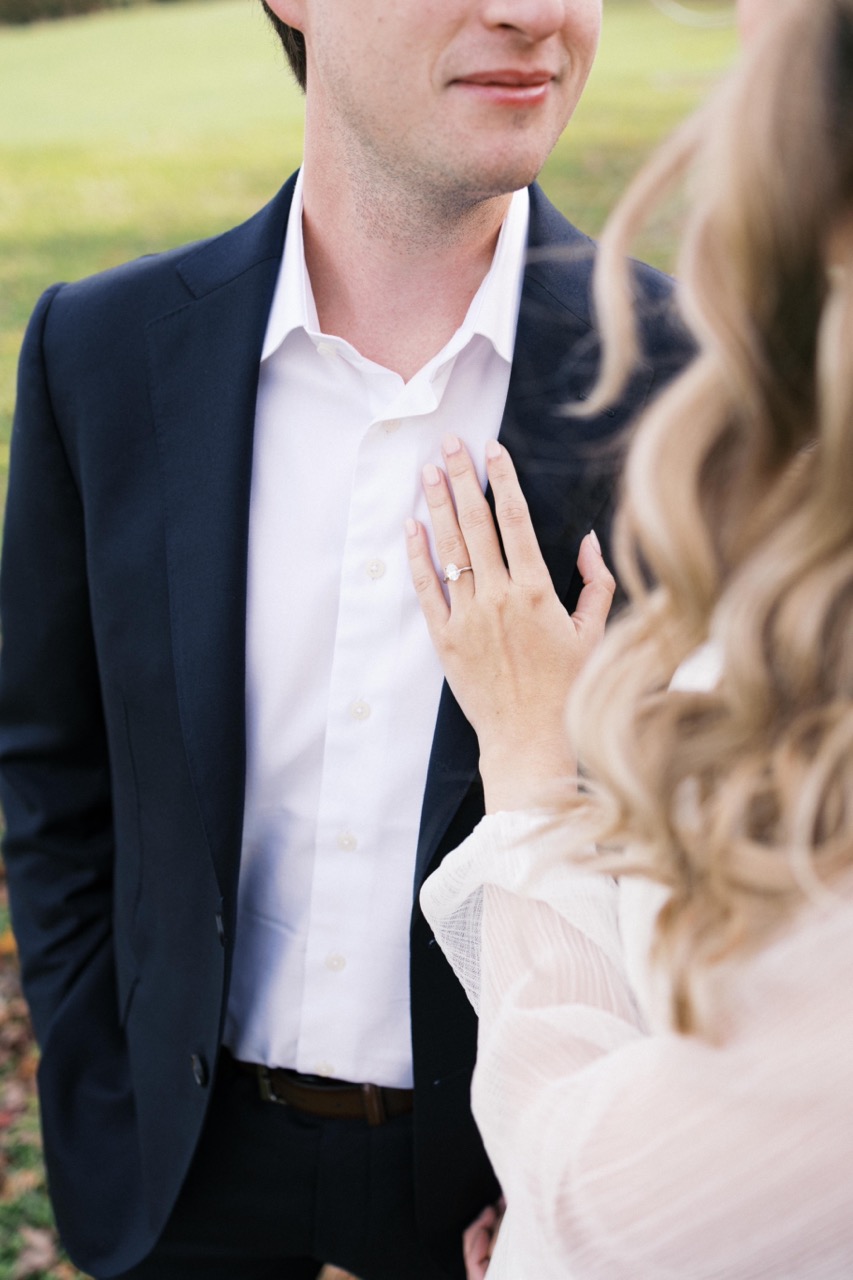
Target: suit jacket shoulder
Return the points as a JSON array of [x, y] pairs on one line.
[[561, 264], [109, 307]]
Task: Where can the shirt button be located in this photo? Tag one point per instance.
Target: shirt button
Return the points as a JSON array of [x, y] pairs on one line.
[[324, 1069], [375, 569], [392, 425], [347, 842], [327, 349], [335, 963], [359, 710]]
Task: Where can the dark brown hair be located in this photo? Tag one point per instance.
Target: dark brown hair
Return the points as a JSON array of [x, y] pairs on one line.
[[293, 43]]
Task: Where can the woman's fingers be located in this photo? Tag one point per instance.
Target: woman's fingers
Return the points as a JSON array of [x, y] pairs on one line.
[[450, 544], [477, 1244], [435, 608], [468, 548], [477, 528], [596, 597], [521, 547], [464, 529]]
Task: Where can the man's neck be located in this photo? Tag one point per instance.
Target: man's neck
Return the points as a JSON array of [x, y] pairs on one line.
[[394, 275]]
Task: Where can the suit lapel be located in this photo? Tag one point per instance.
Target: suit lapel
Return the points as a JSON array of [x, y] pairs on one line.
[[203, 371], [564, 464]]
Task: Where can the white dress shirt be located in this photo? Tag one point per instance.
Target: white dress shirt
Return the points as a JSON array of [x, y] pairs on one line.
[[342, 681]]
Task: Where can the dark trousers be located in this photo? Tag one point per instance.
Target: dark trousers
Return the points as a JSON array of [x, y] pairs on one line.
[[273, 1195]]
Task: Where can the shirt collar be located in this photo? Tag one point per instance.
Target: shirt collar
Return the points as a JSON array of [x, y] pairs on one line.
[[494, 308], [489, 314]]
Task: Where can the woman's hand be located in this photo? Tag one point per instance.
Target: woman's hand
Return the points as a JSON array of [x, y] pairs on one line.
[[479, 1240], [510, 650]]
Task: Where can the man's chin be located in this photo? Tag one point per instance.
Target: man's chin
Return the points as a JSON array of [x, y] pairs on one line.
[[493, 181], [512, 171]]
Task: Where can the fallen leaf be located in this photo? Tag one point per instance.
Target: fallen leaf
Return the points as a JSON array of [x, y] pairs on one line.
[[28, 1066], [20, 1181], [38, 1254], [14, 1096]]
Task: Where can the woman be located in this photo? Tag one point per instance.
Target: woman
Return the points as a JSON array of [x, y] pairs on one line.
[[663, 1078]]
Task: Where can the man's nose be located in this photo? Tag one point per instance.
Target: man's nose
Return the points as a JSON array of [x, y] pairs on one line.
[[535, 19]]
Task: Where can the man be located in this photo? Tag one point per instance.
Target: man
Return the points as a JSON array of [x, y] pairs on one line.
[[228, 758]]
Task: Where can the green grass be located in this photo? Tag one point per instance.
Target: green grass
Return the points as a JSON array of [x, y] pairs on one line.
[[135, 130]]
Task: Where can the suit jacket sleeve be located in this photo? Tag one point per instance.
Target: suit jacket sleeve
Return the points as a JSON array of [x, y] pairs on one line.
[[54, 772]]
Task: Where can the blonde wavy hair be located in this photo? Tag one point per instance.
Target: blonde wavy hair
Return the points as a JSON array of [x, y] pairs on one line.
[[736, 519]]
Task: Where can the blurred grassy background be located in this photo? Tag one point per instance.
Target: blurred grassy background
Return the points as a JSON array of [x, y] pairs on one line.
[[134, 130]]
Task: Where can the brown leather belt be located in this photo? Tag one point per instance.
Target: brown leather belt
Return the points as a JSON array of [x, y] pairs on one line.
[[328, 1098]]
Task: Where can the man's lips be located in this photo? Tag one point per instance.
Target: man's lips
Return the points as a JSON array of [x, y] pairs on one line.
[[507, 76], [507, 85]]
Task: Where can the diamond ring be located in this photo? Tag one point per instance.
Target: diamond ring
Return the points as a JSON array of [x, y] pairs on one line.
[[453, 572]]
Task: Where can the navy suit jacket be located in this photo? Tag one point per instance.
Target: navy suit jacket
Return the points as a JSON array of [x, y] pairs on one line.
[[122, 741]]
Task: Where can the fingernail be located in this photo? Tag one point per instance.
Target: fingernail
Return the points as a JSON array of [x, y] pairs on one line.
[[493, 449], [593, 536], [432, 475], [450, 444], [411, 527]]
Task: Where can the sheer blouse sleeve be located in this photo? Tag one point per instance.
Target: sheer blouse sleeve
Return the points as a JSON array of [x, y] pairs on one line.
[[627, 1154]]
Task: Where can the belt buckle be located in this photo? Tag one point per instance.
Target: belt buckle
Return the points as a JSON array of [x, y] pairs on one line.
[[374, 1105], [267, 1092]]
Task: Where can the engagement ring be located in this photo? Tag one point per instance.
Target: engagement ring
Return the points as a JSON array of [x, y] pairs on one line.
[[452, 572]]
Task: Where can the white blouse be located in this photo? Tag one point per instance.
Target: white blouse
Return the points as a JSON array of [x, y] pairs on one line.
[[627, 1151]]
